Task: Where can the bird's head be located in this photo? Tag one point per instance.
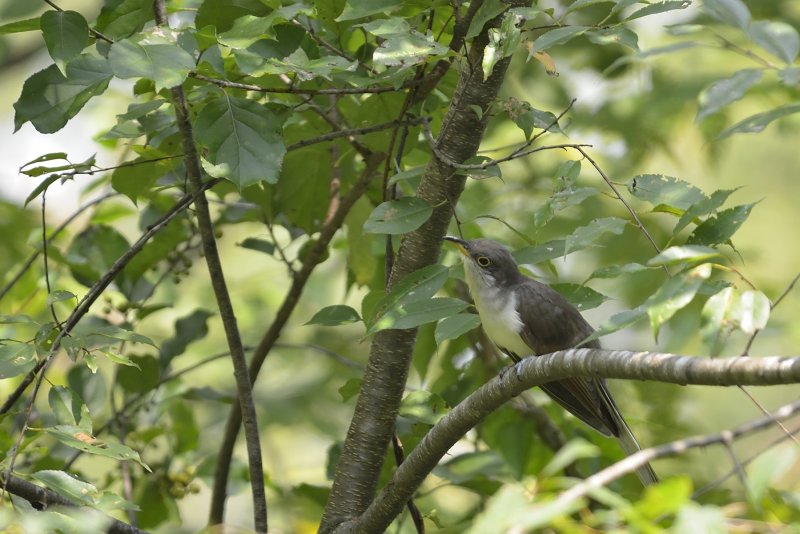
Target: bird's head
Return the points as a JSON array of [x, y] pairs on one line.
[[486, 263]]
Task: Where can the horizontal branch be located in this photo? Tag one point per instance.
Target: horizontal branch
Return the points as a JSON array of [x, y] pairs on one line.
[[42, 498], [534, 371], [304, 91]]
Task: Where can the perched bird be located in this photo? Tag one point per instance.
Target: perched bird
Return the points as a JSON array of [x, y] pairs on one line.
[[523, 317]]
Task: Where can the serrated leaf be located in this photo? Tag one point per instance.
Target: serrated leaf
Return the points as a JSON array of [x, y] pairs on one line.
[[587, 235], [68, 486], [455, 326], [732, 12], [245, 137], [419, 285], [721, 227], [66, 34], [674, 295], [759, 121], [557, 36], [722, 92], [659, 7], [167, 65], [398, 216], [683, 254], [665, 192], [49, 99], [122, 18], [336, 315], [413, 314], [16, 359], [704, 207], [776, 37]]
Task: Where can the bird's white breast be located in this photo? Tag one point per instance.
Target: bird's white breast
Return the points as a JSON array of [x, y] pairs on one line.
[[499, 316]]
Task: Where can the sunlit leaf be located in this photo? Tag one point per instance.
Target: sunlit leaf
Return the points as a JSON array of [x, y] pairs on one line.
[[167, 65], [588, 235], [777, 37], [659, 7], [419, 285], [768, 468], [582, 297], [674, 295], [336, 315], [350, 389], [413, 314], [750, 311], [576, 449], [683, 254], [665, 193], [16, 358], [706, 206], [68, 486], [78, 438], [407, 49], [731, 12], [613, 271], [557, 36], [398, 216]]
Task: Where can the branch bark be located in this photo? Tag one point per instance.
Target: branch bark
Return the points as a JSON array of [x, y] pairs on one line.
[[373, 422], [537, 370]]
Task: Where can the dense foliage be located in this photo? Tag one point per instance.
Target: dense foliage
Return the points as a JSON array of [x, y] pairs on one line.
[[328, 138]]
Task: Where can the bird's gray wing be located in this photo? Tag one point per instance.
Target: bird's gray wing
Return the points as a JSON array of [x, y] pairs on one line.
[[551, 324]]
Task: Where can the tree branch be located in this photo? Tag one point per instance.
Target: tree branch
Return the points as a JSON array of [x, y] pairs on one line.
[[534, 371], [372, 425], [42, 498], [244, 390]]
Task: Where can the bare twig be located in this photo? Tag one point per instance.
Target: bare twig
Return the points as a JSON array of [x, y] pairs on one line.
[[300, 90]]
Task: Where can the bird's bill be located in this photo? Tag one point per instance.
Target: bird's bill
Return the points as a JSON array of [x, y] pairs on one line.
[[460, 243]]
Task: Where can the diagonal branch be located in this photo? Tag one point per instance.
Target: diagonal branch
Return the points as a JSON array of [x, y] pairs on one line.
[[534, 371]]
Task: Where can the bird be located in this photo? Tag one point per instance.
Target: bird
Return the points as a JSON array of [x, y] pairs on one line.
[[522, 317]]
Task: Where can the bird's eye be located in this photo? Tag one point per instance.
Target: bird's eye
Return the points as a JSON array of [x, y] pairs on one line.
[[483, 261]]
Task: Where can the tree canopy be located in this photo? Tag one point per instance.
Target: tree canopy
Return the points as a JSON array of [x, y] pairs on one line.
[[257, 244]]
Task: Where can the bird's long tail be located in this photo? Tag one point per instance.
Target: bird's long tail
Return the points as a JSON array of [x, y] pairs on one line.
[[626, 437]]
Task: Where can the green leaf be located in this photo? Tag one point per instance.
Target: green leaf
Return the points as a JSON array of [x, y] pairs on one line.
[[423, 407], [60, 295], [361, 259], [618, 321], [613, 271], [674, 295], [565, 198], [119, 359], [527, 118], [759, 121], [665, 193], [731, 12], [776, 37], [721, 227], [358, 9], [78, 438], [487, 10], [67, 486], [244, 137], [261, 245], [659, 7], [684, 254], [455, 326], [693, 517], [615, 35], [350, 389], [407, 49], [42, 187], [101, 334], [398, 216], [419, 285], [18, 26], [576, 449], [49, 99], [666, 497], [715, 317], [582, 297], [790, 76], [557, 37], [540, 253], [722, 92], [704, 207], [767, 469], [248, 29], [188, 329], [122, 18], [66, 34], [413, 314], [167, 65], [142, 378], [65, 405], [416, 172], [750, 311], [138, 178], [336, 315], [587, 235], [93, 252]]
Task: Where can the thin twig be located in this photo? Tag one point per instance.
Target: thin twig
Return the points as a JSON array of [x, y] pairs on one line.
[[350, 132], [300, 90], [777, 301]]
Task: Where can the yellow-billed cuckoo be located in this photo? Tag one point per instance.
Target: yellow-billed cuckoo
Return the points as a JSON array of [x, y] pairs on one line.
[[522, 317]]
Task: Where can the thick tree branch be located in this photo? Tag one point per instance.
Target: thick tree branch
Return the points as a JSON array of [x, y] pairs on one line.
[[43, 498], [384, 380], [534, 371]]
